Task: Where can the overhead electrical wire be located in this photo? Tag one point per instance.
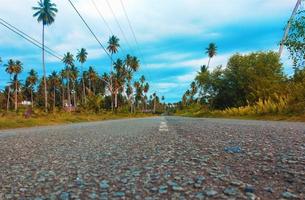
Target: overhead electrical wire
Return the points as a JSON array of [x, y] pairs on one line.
[[105, 22], [90, 30], [133, 34], [29, 38], [118, 24]]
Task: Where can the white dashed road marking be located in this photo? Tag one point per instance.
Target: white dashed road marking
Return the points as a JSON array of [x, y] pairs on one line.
[[163, 127]]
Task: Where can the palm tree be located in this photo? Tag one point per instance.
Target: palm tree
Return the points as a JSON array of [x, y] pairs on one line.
[[193, 90], [145, 90], [45, 13], [155, 101], [92, 77], [62, 81], [31, 82], [17, 69], [68, 60], [211, 51], [55, 82], [10, 70], [82, 56], [73, 75], [113, 48]]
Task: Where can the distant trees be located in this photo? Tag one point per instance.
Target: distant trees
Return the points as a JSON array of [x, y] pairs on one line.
[[68, 87], [246, 79], [30, 83]]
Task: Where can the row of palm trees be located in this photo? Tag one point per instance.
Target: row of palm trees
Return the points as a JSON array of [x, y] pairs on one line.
[[115, 81], [83, 83]]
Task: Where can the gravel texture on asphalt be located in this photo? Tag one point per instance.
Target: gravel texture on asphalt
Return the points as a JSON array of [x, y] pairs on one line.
[[155, 158]]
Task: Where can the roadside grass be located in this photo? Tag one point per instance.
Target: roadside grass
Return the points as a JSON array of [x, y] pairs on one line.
[[263, 112], [17, 120]]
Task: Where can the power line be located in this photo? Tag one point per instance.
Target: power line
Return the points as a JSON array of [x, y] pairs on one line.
[[133, 33], [104, 20], [102, 17], [90, 30], [118, 24], [28, 38]]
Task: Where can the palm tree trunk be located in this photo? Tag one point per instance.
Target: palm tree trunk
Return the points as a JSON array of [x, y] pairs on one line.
[[155, 105], [111, 86], [68, 91], [209, 62], [16, 94], [116, 99], [44, 73], [63, 95], [74, 95], [54, 98], [32, 99], [83, 82], [8, 99]]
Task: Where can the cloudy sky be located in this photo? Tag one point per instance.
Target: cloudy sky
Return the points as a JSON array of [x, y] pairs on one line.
[[172, 35]]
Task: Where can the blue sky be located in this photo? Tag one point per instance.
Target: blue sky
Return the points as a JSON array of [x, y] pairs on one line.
[[172, 35]]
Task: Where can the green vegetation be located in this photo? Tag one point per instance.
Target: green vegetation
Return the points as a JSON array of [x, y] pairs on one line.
[[252, 85], [39, 118], [73, 95]]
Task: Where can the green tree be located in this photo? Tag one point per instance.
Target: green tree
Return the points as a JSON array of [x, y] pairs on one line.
[[211, 51], [82, 56], [113, 48], [295, 42], [45, 13], [17, 69], [54, 80], [73, 75], [68, 60], [31, 81], [10, 70]]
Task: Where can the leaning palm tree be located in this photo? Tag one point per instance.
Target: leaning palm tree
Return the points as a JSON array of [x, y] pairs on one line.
[[82, 56], [31, 82], [211, 51], [113, 48], [68, 60], [10, 70], [45, 13], [17, 70]]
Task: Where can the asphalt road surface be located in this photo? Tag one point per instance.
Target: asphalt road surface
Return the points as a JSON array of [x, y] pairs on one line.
[[155, 158]]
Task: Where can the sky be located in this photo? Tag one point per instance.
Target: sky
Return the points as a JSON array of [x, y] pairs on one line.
[[171, 35]]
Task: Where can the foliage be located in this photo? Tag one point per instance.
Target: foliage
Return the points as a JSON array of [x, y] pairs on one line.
[[295, 42]]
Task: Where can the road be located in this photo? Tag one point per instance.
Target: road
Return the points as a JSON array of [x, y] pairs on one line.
[[155, 158]]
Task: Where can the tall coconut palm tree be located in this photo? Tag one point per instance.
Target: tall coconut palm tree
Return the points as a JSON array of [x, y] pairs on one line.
[[68, 60], [92, 77], [31, 81], [17, 69], [113, 48], [45, 13], [54, 80], [211, 51], [10, 70], [82, 56]]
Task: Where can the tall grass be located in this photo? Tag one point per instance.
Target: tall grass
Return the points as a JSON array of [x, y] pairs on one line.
[[276, 105]]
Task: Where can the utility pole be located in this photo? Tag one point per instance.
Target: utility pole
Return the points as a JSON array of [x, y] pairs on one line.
[[296, 8]]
